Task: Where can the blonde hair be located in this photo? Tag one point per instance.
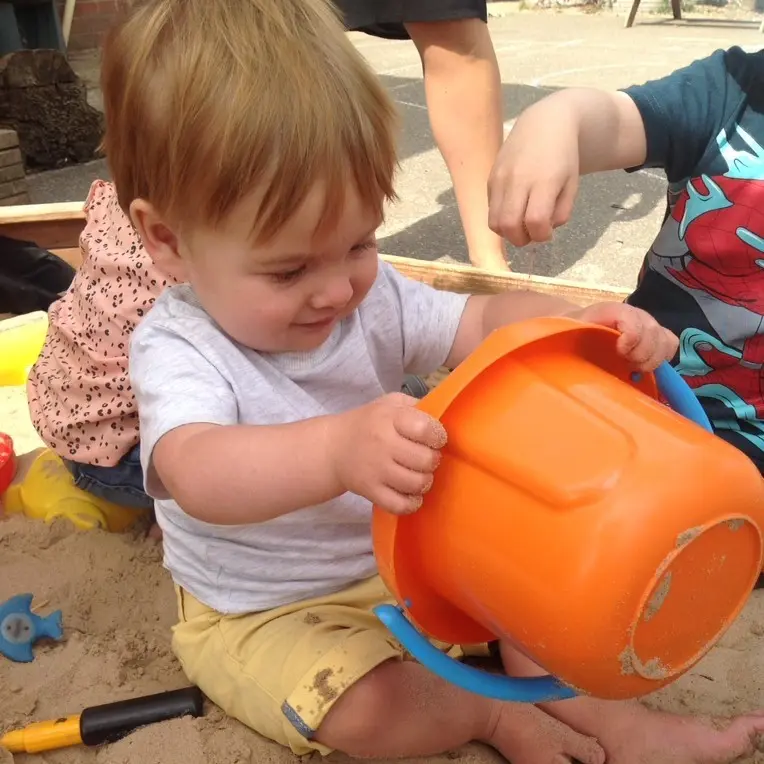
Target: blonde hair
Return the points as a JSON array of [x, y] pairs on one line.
[[207, 101]]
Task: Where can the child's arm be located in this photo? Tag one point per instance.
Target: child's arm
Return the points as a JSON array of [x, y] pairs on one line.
[[643, 341], [194, 449], [236, 474], [440, 328], [385, 451], [606, 127], [534, 181], [667, 123]]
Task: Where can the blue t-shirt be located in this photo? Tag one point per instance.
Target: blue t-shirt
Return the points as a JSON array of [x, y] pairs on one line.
[[703, 277]]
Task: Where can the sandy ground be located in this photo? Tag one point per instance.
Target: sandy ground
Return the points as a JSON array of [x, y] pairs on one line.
[[118, 607]]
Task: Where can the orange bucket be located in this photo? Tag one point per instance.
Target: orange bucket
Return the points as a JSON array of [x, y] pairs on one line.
[[608, 537]]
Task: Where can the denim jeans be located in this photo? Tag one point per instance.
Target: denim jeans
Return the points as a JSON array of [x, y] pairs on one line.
[[121, 484]]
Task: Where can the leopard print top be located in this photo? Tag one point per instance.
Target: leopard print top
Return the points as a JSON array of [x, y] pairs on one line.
[[79, 391]]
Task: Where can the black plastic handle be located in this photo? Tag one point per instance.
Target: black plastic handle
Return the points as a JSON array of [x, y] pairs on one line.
[[112, 721]]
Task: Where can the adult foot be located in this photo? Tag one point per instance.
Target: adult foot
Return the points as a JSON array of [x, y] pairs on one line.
[[524, 734], [660, 738]]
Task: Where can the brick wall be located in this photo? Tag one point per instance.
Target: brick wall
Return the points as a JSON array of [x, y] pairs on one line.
[[13, 183], [91, 19]]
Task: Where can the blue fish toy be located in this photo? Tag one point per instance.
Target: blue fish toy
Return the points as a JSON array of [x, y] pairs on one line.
[[20, 628]]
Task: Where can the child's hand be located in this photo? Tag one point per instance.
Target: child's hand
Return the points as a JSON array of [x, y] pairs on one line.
[[534, 180], [387, 451], [643, 340]]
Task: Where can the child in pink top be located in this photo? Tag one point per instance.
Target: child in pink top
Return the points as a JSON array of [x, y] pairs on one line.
[[80, 398]]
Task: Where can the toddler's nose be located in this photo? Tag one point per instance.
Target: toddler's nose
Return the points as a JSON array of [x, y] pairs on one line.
[[336, 293]]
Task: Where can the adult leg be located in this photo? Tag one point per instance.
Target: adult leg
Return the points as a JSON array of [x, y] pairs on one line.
[[463, 90]]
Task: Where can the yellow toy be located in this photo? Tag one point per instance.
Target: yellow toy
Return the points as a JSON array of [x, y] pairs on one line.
[[44, 489], [21, 340]]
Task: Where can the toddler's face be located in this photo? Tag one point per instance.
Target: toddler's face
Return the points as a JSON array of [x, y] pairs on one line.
[[288, 294]]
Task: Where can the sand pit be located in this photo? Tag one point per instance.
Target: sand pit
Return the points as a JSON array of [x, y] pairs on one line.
[[118, 607]]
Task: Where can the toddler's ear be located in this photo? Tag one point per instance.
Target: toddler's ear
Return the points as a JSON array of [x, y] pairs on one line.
[[159, 240]]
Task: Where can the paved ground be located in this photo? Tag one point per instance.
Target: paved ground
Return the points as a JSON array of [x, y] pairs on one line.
[[616, 215]]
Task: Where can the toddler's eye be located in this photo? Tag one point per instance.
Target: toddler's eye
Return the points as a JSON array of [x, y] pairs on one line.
[[367, 245], [287, 276]]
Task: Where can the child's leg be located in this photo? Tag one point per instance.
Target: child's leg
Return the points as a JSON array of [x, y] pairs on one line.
[[324, 674], [121, 484], [401, 709], [630, 733]]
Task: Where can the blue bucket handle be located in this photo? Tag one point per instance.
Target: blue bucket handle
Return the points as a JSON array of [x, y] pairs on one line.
[[679, 395], [540, 689]]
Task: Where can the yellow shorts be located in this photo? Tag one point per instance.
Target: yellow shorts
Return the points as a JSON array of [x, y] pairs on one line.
[[280, 671]]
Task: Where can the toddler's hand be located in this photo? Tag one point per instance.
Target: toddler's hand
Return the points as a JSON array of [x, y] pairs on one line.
[[643, 340], [387, 451]]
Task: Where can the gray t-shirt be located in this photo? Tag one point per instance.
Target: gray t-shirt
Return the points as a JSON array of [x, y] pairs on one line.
[[185, 370]]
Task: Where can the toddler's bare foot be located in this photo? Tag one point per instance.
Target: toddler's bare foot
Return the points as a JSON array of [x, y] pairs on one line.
[[524, 734], [661, 738], [155, 532]]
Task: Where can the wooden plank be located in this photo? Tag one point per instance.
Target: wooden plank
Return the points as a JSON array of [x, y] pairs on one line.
[[51, 226], [465, 278], [57, 227], [25, 213]]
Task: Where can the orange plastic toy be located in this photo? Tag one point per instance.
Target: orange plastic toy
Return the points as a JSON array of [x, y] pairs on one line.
[[611, 539]]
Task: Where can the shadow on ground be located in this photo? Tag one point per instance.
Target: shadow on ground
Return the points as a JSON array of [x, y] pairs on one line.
[[600, 202], [602, 199]]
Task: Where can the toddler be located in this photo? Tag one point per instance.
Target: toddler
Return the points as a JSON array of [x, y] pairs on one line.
[[254, 151], [80, 398]]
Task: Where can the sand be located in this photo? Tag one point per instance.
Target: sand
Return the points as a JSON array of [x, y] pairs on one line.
[[118, 607]]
